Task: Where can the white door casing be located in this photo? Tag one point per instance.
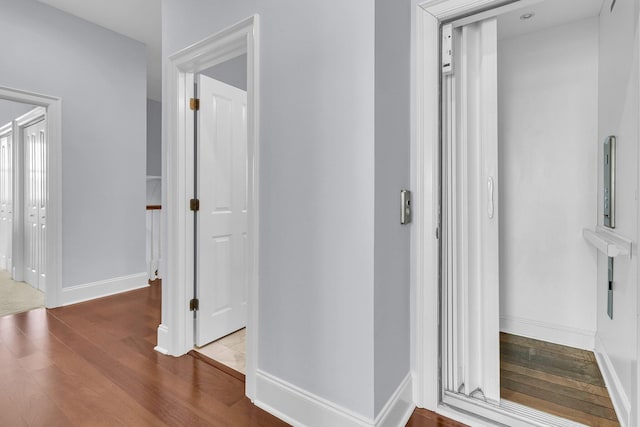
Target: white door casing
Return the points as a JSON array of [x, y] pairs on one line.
[[52, 107], [35, 190], [176, 332], [426, 118], [6, 197], [426, 155], [222, 218]]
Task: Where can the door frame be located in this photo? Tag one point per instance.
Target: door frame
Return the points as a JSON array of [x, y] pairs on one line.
[[428, 392], [19, 125], [53, 245], [176, 333]]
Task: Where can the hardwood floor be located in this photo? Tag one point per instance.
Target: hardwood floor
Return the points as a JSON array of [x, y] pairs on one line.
[[424, 418], [559, 380], [93, 364]]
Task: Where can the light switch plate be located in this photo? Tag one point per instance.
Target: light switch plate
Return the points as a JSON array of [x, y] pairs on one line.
[[405, 206]]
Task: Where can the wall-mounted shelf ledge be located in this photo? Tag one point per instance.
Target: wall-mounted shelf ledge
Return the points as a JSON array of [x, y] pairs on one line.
[[608, 242]]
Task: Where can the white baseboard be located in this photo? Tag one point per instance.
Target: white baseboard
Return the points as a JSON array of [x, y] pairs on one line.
[[301, 408], [399, 407], [103, 288], [163, 340], [621, 402], [557, 334]]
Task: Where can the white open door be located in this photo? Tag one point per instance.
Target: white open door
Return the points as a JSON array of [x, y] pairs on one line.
[[6, 197], [222, 218], [470, 208], [35, 190]]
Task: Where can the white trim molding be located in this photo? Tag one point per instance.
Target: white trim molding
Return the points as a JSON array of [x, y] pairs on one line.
[[298, 407], [103, 288], [557, 334], [426, 208], [53, 106], [445, 9], [619, 398], [399, 407], [175, 334], [163, 340]]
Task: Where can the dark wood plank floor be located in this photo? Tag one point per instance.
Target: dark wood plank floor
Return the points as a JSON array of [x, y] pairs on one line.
[[424, 418], [93, 364], [556, 379]]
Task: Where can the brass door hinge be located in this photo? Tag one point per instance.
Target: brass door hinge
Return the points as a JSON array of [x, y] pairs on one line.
[[194, 104], [194, 304], [194, 204]]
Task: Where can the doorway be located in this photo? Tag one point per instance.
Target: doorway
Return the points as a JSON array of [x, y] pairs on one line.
[[176, 334], [519, 185], [43, 208], [502, 225], [23, 147], [221, 232]]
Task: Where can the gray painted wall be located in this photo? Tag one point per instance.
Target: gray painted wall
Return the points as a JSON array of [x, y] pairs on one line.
[[232, 72], [392, 161], [101, 78], [154, 138], [334, 276], [10, 110], [317, 186]]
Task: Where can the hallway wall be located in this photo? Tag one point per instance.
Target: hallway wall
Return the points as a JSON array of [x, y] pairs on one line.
[[12, 110], [334, 135], [548, 110], [392, 158], [154, 138], [232, 72], [101, 78], [316, 182]]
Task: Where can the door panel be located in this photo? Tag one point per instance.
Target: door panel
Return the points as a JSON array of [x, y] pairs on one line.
[[35, 189], [222, 219], [471, 245], [6, 201]]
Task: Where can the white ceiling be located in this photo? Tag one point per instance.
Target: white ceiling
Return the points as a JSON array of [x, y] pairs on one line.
[[137, 19], [548, 13]]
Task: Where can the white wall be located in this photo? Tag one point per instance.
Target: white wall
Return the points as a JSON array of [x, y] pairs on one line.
[[618, 115], [317, 186], [548, 109], [154, 138], [101, 78], [10, 110], [334, 267], [232, 72]]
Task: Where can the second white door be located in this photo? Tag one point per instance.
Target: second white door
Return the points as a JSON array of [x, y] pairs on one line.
[[35, 190], [6, 199], [222, 219]]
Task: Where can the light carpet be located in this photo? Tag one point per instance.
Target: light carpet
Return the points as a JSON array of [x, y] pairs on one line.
[[16, 297]]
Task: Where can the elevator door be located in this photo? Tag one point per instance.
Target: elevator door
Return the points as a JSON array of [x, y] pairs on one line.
[[470, 210]]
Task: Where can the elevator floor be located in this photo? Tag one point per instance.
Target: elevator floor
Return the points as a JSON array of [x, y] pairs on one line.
[[556, 379]]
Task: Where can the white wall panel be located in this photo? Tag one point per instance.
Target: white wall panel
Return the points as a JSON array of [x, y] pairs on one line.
[[548, 158]]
